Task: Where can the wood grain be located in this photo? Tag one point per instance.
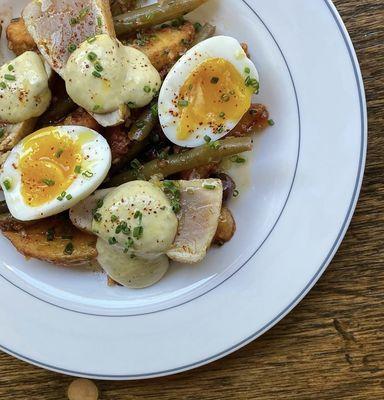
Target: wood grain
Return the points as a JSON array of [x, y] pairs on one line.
[[332, 345]]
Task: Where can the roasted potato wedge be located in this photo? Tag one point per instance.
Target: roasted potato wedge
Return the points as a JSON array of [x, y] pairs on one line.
[[80, 117], [226, 228], [11, 134], [165, 46], [54, 240], [19, 39]]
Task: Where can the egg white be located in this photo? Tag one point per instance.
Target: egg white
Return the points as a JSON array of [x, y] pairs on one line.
[[98, 158], [224, 47]]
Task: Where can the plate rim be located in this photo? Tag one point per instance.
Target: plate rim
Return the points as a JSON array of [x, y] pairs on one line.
[[357, 188]]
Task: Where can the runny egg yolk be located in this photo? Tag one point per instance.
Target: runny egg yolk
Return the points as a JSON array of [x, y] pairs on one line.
[[48, 165], [215, 92]]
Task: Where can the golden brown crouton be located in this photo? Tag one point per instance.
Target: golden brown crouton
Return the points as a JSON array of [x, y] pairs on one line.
[[54, 240], [19, 39], [165, 46]]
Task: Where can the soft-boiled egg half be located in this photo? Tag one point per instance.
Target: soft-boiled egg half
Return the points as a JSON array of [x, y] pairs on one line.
[[53, 169], [207, 92]]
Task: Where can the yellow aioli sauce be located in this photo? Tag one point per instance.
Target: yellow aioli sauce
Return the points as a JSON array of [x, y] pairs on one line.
[[213, 93]]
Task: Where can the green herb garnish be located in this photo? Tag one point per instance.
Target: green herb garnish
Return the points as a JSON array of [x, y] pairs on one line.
[[138, 232], [112, 241], [7, 184], [9, 77], [183, 103], [59, 153], [69, 248], [209, 187], [72, 47], [48, 182], [87, 174]]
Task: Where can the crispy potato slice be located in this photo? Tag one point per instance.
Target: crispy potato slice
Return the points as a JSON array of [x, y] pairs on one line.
[[32, 241], [80, 117], [13, 133], [165, 46], [19, 39]]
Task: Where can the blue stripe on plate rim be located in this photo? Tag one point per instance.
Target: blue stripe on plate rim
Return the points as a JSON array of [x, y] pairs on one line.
[[310, 284]]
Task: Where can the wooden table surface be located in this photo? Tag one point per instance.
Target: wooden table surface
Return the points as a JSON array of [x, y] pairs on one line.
[[332, 345]]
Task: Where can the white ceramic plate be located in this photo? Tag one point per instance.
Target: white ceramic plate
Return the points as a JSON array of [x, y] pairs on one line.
[[306, 176]]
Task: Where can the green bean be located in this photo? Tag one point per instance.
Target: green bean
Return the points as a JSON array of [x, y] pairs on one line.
[[3, 207], [141, 129], [57, 110], [211, 152], [154, 14], [206, 31]]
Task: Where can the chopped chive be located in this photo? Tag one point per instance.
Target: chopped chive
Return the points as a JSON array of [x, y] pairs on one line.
[[236, 193], [83, 12], [2, 131], [3, 85], [238, 160], [138, 214], [271, 122], [96, 74], [68, 197], [96, 107], [214, 80], [78, 169], [87, 174], [131, 104], [138, 232], [155, 110], [73, 21], [209, 187], [48, 182], [99, 22], [140, 124], [247, 70], [72, 47], [214, 145], [113, 218], [69, 248], [92, 56], [222, 115], [9, 77], [183, 103], [91, 39], [97, 217], [99, 203], [63, 194], [220, 129], [147, 89], [59, 153], [11, 67], [197, 26], [112, 241], [98, 67], [60, 198], [50, 234], [7, 184], [207, 139]]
